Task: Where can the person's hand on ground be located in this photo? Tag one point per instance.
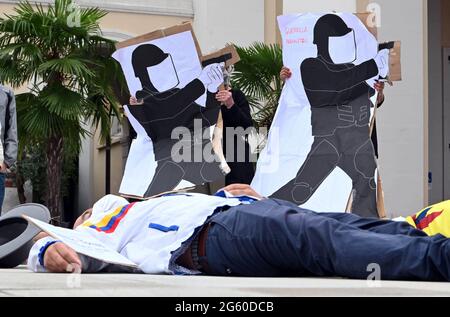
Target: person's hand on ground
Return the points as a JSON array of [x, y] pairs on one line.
[[59, 258], [242, 189], [225, 97], [285, 73]]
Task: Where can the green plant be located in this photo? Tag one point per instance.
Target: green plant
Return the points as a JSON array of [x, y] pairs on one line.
[[31, 165], [257, 74], [68, 70]]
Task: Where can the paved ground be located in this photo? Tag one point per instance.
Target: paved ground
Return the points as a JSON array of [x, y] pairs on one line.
[[20, 282]]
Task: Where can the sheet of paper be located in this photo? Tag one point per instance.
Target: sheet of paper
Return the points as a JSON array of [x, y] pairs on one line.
[[83, 243]]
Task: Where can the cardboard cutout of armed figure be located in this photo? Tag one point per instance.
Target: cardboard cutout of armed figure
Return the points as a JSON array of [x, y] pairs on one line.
[[175, 114], [340, 112], [165, 107]]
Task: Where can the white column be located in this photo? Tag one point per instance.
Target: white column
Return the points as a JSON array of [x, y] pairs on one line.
[[217, 23]]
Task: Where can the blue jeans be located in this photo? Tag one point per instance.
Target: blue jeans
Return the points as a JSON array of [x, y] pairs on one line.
[[275, 238], [2, 190]]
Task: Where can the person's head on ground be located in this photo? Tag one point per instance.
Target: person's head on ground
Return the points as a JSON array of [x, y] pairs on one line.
[[82, 218]]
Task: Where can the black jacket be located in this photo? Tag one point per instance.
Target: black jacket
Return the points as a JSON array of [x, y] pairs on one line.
[[235, 117]]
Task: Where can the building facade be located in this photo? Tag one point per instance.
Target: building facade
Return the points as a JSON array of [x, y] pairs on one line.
[[412, 124]]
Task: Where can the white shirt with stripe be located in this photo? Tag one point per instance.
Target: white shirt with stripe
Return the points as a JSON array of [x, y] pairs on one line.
[[146, 232]]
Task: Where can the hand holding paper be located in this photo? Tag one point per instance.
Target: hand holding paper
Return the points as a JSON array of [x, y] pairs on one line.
[[59, 258], [83, 243]]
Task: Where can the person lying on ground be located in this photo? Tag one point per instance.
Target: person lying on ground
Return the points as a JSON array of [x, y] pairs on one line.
[[239, 233]]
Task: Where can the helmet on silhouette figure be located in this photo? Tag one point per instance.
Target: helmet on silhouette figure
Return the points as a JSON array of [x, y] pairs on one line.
[[336, 42], [154, 68]]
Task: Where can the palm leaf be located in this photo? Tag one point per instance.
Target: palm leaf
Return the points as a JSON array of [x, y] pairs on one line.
[[67, 66], [62, 102], [257, 75], [69, 70]]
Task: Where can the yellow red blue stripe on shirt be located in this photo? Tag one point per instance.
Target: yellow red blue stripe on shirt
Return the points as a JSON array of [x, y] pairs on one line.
[[109, 223]]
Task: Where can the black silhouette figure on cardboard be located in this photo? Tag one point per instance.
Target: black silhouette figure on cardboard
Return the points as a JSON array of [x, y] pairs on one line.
[[165, 108], [340, 107]]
